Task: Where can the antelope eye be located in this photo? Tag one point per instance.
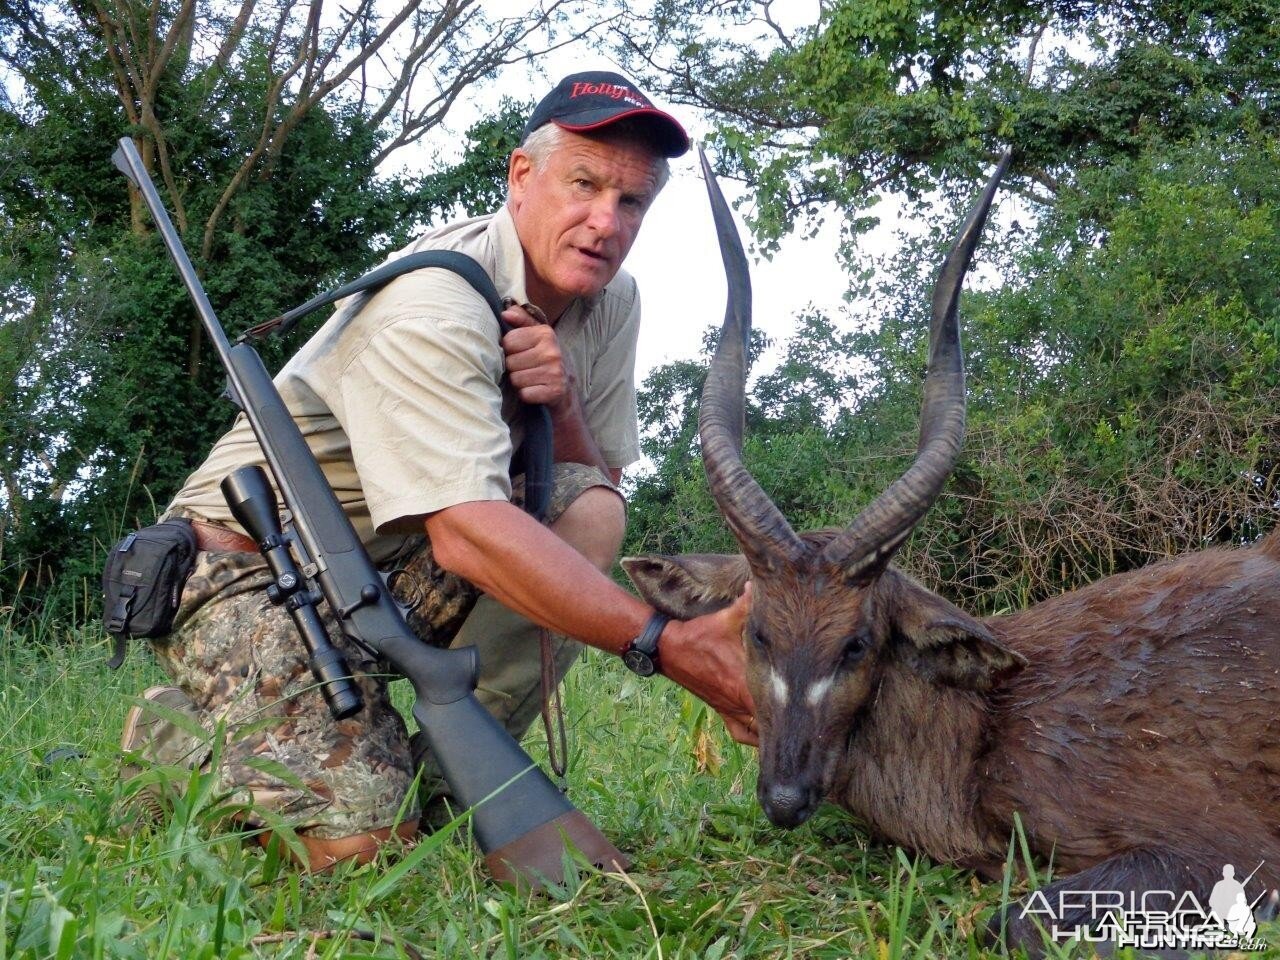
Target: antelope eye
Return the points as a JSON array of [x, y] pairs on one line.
[[759, 640], [855, 648]]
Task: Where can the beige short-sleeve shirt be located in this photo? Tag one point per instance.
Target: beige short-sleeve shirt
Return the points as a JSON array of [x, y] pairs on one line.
[[401, 396]]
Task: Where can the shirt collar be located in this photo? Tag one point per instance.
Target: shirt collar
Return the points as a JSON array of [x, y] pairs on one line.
[[508, 256]]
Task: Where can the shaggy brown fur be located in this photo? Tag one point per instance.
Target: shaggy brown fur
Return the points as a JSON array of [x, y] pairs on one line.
[[1133, 725]]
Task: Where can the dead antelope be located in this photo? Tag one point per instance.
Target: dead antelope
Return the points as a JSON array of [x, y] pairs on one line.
[[1133, 726]]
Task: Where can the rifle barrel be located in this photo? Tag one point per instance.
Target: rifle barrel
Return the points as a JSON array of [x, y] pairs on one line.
[[129, 162]]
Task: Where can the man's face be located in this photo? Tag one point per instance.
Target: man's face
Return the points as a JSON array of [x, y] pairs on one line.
[[578, 216]]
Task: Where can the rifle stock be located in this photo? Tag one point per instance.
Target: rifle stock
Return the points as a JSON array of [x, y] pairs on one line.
[[520, 819]]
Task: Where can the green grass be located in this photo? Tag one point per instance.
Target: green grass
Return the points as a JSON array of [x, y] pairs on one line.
[[710, 878]]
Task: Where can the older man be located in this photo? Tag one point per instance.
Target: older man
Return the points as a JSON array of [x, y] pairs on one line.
[[403, 399]]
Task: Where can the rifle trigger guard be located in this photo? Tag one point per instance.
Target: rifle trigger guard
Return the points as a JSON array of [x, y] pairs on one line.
[[400, 579]]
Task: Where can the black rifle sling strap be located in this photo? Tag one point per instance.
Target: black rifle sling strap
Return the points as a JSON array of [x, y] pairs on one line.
[[536, 452]]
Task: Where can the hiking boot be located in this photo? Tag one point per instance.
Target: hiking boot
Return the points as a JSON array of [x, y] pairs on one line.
[[157, 741]]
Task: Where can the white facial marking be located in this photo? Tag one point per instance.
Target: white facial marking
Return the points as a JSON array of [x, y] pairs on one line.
[[818, 691], [780, 691]]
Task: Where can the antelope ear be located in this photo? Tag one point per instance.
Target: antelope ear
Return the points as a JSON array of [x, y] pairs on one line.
[[944, 644], [689, 585]]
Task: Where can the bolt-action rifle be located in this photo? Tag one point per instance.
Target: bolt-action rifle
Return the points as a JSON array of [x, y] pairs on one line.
[[520, 819]]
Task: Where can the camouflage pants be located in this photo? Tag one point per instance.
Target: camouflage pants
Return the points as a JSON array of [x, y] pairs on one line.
[[239, 659]]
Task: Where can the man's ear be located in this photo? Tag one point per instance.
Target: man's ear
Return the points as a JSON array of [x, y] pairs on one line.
[[689, 585], [942, 643], [519, 168]]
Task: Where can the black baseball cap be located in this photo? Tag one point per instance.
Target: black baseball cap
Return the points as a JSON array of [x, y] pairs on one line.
[[589, 101]]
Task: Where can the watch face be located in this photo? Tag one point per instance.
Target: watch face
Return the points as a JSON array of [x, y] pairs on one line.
[[638, 661]]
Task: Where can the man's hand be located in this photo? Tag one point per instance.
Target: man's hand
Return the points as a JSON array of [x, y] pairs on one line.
[[705, 656], [536, 367], [542, 374]]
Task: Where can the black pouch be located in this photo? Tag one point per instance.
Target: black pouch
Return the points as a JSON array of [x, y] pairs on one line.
[[142, 582]]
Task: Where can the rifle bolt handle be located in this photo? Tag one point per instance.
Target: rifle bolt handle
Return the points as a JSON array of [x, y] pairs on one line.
[[369, 593]]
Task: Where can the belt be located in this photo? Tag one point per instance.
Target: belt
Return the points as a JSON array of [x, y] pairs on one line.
[[218, 539]]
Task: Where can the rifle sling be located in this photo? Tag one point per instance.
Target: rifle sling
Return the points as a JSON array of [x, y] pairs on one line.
[[536, 453]]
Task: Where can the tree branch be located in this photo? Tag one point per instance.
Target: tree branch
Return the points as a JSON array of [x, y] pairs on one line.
[[32, 27], [767, 16], [273, 48], [232, 39], [324, 89], [181, 22], [265, 137], [59, 487], [1032, 50], [411, 62], [309, 48], [323, 62], [14, 496], [153, 29], [130, 84]]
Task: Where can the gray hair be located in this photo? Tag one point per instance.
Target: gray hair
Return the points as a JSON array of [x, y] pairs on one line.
[[549, 138]]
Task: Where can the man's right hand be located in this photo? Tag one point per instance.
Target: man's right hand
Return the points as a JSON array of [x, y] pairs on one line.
[[536, 366], [705, 656]]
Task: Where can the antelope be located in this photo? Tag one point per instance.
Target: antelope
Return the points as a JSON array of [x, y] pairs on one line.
[[1132, 726]]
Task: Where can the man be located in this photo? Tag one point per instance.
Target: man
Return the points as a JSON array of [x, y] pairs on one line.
[[402, 398]]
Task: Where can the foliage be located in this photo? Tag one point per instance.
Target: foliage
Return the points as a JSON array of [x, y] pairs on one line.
[[477, 184], [1124, 399], [1122, 379], [913, 97]]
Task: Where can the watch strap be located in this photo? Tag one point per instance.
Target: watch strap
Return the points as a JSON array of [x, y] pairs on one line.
[[641, 655], [648, 639]]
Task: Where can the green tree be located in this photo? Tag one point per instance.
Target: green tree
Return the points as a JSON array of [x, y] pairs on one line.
[[912, 97], [1123, 389], [1124, 401]]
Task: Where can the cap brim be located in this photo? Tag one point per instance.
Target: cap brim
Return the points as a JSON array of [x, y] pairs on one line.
[[670, 136]]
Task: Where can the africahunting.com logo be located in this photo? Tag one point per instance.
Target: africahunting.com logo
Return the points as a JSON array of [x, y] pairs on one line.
[[1155, 919]]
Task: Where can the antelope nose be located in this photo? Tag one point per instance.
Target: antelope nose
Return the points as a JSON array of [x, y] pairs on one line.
[[786, 806]]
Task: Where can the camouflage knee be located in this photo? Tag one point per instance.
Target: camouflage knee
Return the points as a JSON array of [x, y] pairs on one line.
[[240, 661]]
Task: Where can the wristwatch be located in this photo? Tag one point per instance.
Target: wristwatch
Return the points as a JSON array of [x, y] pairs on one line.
[[641, 655]]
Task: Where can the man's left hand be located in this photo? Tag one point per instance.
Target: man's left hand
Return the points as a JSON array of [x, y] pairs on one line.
[[537, 369], [705, 656]]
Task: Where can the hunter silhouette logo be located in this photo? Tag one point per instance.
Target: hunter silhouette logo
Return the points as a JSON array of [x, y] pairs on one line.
[[1230, 905], [1154, 919]]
